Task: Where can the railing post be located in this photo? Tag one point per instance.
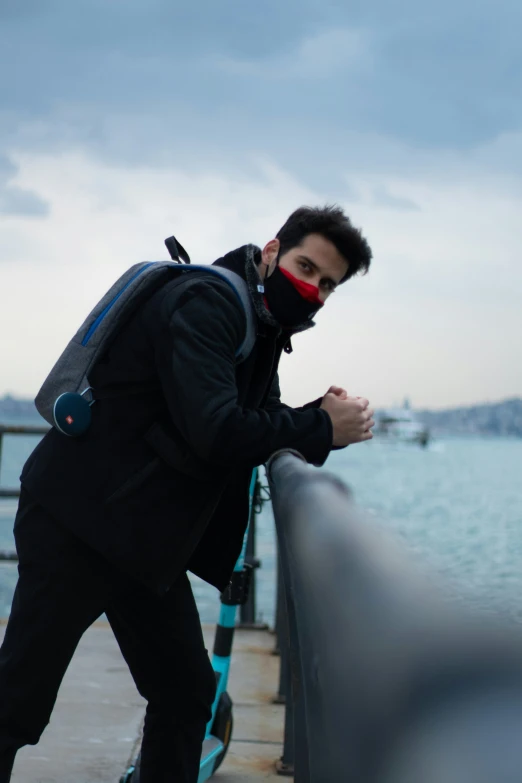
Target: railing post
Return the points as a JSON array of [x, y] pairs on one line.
[[281, 630], [284, 765], [248, 610], [247, 613]]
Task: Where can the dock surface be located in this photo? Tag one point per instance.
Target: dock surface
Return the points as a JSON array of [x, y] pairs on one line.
[[95, 729]]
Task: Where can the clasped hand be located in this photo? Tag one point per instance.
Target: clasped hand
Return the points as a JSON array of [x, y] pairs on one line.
[[352, 417]]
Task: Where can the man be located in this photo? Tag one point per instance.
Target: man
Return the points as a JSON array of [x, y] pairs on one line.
[[158, 486]]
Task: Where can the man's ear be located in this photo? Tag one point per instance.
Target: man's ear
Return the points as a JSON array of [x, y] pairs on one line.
[[269, 256]]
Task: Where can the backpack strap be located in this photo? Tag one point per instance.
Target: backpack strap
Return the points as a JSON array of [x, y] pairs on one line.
[[243, 294], [178, 254], [71, 371], [241, 290], [176, 250]]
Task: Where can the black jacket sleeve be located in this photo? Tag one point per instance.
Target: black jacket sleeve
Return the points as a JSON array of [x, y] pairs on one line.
[[196, 363], [274, 404], [274, 399]]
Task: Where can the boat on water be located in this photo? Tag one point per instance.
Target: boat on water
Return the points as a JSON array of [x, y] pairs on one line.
[[401, 425]]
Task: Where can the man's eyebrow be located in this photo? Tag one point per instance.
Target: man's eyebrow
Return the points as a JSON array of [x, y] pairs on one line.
[[314, 265]]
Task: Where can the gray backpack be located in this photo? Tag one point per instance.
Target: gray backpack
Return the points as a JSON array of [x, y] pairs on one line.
[[62, 400]]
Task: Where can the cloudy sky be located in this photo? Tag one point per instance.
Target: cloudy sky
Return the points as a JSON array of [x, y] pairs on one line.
[[124, 121]]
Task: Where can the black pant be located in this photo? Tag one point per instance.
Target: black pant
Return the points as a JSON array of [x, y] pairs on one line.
[[63, 587]]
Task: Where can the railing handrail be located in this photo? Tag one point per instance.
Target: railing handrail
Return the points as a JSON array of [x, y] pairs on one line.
[[373, 645], [24, 429]]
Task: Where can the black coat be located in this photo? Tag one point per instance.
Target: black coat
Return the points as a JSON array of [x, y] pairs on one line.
[[159, 483]]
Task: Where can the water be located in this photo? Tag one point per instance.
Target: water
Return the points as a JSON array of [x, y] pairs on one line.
[[458, 506]]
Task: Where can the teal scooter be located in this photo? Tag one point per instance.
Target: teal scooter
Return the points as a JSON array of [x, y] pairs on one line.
[[219, 728]]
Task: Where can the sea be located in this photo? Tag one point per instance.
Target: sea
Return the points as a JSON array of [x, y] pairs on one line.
[[456, 506]]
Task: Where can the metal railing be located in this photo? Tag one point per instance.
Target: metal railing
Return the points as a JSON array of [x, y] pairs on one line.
[[391, 682], [248, 612], [382, 681], [14, 429], [14, 492]]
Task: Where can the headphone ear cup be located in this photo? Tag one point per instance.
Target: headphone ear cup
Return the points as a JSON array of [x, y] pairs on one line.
[[72, 414]]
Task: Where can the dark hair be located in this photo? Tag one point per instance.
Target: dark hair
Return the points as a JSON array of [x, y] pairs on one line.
[[332, 224]]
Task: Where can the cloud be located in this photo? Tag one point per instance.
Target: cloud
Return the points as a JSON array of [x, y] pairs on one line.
[[131, 120], [16, 201], [146, 83], [22, 203], [383, 197], [7, 169], [438, 317], [315, 58]]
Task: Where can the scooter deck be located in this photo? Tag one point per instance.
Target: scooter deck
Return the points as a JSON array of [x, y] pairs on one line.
[[210, 745], [212, 748]]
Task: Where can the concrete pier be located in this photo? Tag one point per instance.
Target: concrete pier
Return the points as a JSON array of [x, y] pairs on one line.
[[96, 725]]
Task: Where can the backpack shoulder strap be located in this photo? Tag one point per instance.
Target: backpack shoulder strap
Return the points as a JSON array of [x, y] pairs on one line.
[[71, 371], [241, 290]]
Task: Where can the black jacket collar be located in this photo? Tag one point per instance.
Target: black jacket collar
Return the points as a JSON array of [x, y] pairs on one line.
[[245, 262]]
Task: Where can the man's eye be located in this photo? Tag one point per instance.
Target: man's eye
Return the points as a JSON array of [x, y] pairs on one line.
[[327, 285]]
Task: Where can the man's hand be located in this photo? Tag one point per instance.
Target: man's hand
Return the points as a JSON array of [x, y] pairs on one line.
[[352, 418], [339, 392]]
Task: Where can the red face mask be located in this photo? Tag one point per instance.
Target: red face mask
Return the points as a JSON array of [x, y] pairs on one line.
[[291, 301], [307, 291]]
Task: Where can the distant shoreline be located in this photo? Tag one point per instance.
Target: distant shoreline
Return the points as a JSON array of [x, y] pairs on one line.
[[497, 418], [500, 418]]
